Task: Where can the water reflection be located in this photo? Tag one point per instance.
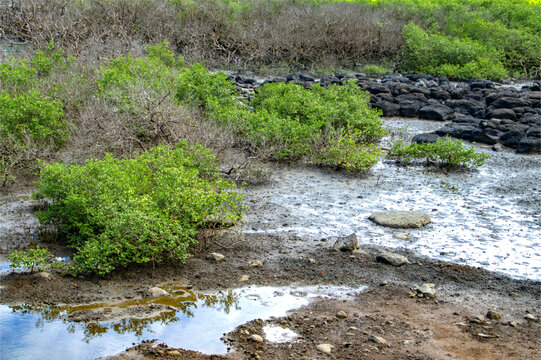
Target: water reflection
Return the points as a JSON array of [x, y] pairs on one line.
[[190, 321]]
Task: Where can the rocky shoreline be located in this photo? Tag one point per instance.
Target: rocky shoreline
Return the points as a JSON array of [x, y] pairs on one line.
[[479, 111]]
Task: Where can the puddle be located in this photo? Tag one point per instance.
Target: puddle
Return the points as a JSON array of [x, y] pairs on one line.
[[197, 322], [489, 217]]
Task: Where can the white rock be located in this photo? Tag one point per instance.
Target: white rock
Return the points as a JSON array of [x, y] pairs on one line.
[[256, 338], [244, 278], [427, 290], [216, 256], [377, 339], [44, 275], [325, 348], [256, 263], [388, 257], [156, 292]]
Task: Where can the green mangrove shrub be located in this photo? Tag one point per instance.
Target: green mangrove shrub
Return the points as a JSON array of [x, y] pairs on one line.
[[33, 258], [445, 151], [145, 209]]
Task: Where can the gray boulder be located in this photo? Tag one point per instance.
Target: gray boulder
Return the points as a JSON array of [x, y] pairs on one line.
[[400, 219], [346, 243]]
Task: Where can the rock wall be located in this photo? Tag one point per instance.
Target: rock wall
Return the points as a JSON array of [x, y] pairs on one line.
[[479, 110]]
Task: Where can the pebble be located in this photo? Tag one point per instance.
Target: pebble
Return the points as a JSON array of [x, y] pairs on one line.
[[157, 292], [388, 257], [244, 278], [478, 319], [402, 236], [325, 348], [377, 339], [256, 263], [359, 252], [256, 338], [216, 256], [493, 315], [341, 315], [44, 275], [174, 352], [312, 261], [427, 290], [529, 317], [512, 324]]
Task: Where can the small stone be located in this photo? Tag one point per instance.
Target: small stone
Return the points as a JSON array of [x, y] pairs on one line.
[[157, 292], [352, 256], [244, 278], [346, 243], [353, 328], [312, 261], [256, 263], [256, 338], [359, 252], [44, 275], [388, 257], [402, 236], [486, 336], [341, 315], [215, 256], [493, 315], [174, 352], [406, 342], [497, 147], [478, 319], [325, 348], [530, 317], [512, 324], [377, 339], [427, 290]]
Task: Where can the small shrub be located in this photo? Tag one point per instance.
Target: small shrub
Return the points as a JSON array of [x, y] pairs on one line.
[[448, 152], [146, 209], [376, 70], [31, 259]]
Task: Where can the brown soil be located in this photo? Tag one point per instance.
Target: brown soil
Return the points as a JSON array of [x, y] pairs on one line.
[[413, 328]]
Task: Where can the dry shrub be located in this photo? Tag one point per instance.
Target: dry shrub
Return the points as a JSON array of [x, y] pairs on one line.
[[252, 34], [103, 129]]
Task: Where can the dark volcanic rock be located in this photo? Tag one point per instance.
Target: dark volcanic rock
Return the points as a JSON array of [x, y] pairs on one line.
[[468, 107], [426, 138], [387, 108], [436, 112], [410, 108], [529, 145], [502, 114], [510, 103]]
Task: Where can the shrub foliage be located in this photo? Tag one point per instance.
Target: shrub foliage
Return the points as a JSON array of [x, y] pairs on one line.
[[446, 151], [145, 209]]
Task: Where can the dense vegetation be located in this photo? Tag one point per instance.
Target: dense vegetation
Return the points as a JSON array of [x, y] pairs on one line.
[[458, 38], [137, 185]]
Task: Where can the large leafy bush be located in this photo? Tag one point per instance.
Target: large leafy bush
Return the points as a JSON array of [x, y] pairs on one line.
[[146, 209]]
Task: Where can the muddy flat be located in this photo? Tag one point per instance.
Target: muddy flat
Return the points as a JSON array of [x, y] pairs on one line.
[[274, 287]]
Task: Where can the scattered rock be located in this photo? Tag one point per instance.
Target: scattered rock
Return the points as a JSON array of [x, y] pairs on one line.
[[346, 243], [479, 319], [530, 317], [256, 263], [427, 290], [493, 315], [512, 324], [44, 275], [341, 315], [174, 352], [388, 257], [325, 348], [244, 278], [359, 252], [377, 339], [402, 236], [255, 338], [486, 336], [215, 256], [497, 147], [157, 292], [400, 219], [312, 261]]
